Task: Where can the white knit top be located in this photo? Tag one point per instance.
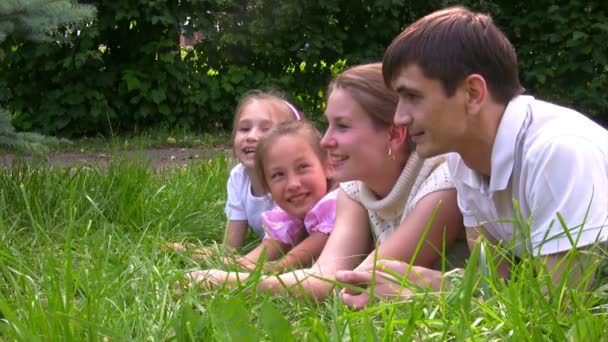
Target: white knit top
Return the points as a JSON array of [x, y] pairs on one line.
[[419, 178]]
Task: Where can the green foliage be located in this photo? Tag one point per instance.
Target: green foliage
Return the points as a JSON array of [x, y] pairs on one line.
[[563, 51], [36, 20], [14, 141], [33, 20], [125, 70]]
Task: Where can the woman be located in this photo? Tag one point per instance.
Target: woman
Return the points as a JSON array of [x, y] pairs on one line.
[[387, 196]]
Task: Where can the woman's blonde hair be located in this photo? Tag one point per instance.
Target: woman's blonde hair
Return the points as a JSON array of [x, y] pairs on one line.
[[366, 85]]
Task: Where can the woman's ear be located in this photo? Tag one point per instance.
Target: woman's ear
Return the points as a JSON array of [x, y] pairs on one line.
[[397, 134], [476, 91]]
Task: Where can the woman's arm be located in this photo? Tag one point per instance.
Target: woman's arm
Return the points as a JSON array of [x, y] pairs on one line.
[[303, 254], [235, 234], [401, 245], [348, 243]]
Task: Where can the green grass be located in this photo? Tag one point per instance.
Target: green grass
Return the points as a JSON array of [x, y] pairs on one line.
[[82, 258]]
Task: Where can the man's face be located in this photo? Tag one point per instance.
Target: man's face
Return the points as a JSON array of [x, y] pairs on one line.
[[434, 121]]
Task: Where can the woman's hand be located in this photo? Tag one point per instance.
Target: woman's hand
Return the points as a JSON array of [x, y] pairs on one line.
[[387, 282]]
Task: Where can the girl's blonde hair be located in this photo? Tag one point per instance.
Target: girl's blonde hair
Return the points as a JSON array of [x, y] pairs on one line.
[[274, 98], [300, 128]]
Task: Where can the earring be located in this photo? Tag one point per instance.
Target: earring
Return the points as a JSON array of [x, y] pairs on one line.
[[390, 154]]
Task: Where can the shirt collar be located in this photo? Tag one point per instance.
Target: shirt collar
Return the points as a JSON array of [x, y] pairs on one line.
[[503, 150]]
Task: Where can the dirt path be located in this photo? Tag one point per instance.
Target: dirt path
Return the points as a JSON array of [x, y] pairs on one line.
[[158, 158]]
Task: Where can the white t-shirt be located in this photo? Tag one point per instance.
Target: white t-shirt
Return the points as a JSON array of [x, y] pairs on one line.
[[241, 204], [548, 159]]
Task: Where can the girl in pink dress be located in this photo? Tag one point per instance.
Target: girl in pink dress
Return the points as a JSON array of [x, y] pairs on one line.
[[294, 169]]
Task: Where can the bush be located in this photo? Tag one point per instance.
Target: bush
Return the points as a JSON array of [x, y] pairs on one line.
[[127, 71]]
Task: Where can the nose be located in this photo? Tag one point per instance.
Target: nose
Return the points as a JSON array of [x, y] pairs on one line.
[[327, 140], [293, 182], [253, 134], [402, 115]]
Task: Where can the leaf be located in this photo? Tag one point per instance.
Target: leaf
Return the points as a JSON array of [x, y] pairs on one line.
[[133, 82], [166, 57], [158, 95], [237, 77], [576, 35], [230, 321], [275, 324], [164, 109]]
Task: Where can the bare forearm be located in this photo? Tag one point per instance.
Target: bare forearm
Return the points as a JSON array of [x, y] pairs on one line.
[[303, 254], [234, 236]]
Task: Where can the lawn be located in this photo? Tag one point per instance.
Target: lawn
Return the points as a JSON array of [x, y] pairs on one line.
[[82, 258]]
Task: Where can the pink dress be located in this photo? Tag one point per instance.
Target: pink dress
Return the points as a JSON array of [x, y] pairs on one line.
[[282, 227]]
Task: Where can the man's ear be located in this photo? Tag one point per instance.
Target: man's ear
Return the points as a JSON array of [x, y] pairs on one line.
[[476, 91]]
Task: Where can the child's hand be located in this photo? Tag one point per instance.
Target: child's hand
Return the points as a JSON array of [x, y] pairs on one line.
[[207, 279], [202, 253], [178, 247], [270, 266], [246, 264]]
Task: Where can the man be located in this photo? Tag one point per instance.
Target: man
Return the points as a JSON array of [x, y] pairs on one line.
[[457, 78]]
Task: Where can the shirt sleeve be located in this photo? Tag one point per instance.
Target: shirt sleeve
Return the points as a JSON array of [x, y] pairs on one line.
[[235, 207], [282, 227], [568, 176], [322, 216]]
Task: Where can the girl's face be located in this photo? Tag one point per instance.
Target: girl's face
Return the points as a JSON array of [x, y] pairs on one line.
[[256, 118], [295, 175], [357, 149]]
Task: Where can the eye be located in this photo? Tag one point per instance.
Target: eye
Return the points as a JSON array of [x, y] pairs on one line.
[[303, 167], [411, 97], [342, 126], [244, 129], [275, 176]]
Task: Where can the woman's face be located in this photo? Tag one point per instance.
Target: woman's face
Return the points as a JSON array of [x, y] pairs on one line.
[[357, 149]]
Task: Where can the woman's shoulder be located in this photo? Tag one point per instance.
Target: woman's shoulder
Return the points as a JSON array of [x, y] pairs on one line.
[[437, 178], [352, 189]]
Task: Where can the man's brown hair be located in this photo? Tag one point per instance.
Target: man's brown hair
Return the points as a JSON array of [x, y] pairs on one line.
[[451, 44]]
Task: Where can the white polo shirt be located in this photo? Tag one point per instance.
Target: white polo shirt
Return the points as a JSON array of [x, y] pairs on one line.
[[546, 159]]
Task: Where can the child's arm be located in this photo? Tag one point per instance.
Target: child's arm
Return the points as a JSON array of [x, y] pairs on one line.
[[235, 234], [303, 254], [273, 250]]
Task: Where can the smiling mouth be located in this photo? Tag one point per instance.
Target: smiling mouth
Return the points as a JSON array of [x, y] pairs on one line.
[[337, 158], [297, 199], [248, 150]]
